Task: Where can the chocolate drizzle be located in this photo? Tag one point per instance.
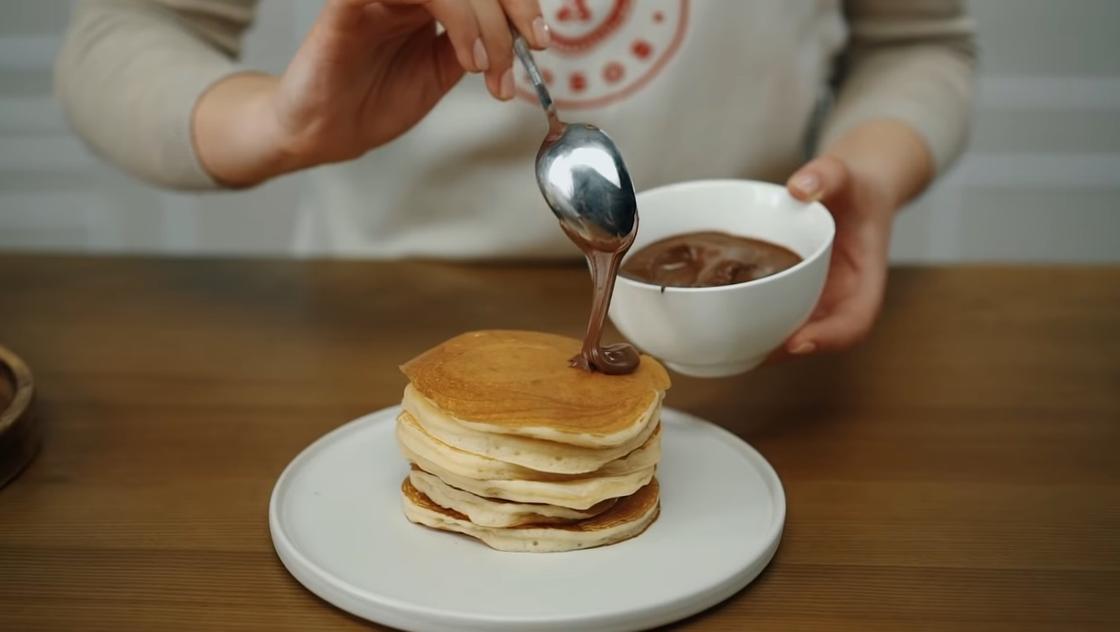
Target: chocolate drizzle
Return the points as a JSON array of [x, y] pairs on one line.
[[603, 257]]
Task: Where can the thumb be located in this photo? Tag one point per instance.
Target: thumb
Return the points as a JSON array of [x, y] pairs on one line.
[[821, 178]]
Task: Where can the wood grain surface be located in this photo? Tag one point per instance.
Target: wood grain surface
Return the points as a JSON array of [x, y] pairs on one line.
[[959, 471]]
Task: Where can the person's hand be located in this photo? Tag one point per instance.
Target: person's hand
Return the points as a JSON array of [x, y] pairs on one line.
[[857, 273], [366, 73], [863, 179]]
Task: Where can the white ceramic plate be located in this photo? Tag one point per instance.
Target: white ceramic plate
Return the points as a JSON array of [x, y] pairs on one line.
[[337, 525]]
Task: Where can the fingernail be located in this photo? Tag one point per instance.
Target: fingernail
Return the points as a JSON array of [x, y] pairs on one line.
[[541, 33], [804, 348], [481, 61], [506, 89], [808, 183]]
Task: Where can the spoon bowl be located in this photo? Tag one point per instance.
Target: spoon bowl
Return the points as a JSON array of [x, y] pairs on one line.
[[582, 177], [581, 173]]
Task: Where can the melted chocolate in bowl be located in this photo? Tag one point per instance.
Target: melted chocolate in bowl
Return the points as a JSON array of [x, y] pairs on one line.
[[708, 259]]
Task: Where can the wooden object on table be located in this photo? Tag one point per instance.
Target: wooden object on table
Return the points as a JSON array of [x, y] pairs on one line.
[[19, 430], [958, 471]]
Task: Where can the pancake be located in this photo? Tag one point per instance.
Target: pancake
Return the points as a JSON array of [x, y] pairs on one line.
[[489, 512], [519, 383], [629, 517], [470, 465], [532, 453], [576, 493]]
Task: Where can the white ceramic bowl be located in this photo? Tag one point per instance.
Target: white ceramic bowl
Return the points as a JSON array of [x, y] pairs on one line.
[[720, 331]]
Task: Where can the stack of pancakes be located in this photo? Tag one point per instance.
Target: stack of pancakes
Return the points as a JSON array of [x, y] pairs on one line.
[[512, 446]]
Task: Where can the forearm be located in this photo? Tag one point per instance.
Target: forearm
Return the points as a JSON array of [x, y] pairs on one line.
[[235, 132], [910, 61], [129, 74]]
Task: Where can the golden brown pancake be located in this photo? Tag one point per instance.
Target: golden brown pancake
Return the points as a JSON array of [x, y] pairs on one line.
[[575, 493], [519, 383], [412, 436], [495, 512], [628, 517], [541, 455]]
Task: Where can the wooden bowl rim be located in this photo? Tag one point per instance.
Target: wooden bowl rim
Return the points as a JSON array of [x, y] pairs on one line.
[[24, 388]]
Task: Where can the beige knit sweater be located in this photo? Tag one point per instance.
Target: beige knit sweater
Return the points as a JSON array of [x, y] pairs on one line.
[[688, 88]]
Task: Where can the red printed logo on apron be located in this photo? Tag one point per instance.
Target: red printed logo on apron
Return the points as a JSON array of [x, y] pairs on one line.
[[604, 50]]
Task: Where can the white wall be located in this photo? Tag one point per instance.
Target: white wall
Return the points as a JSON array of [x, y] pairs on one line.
[[1041, 181]]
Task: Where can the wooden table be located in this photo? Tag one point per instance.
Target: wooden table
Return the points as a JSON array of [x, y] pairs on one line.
[[958, 471]]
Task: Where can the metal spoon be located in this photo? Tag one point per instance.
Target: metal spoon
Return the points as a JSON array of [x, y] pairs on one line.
[[581, 173], [586, 184]]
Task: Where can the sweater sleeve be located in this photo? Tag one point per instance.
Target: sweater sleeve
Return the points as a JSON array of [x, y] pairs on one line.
[[912, 61], [130, 72]]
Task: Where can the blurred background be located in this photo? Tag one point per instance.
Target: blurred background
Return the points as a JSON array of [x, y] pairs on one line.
[[1040, 182]]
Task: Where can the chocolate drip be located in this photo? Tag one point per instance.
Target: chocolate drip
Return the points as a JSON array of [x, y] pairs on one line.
[[603, 257]]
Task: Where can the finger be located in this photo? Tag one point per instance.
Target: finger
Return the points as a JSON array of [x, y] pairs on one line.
[[848, 322], [396, 18], [450, 70], [439, 68], [777, 356], [494, 26], [526, 17], [351, 12], [459, 21], [820, 178], [348, 28], [350, 16]]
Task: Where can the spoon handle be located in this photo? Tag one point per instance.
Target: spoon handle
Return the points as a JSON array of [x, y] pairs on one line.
[[521, 49]]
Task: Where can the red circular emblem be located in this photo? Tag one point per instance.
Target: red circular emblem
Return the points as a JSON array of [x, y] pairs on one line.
[[604, 50]]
